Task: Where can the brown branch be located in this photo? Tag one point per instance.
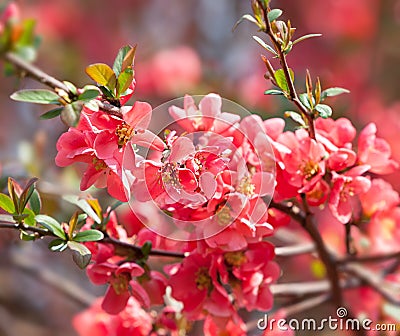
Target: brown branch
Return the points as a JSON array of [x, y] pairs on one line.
[[388, 290], [326, 257], [305, 218], [289, 251], [368, 259], [106, 240], [137, 249]]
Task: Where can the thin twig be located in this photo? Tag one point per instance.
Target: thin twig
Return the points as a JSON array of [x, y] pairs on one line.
[[107, 240], [39, 75], [282, 59]]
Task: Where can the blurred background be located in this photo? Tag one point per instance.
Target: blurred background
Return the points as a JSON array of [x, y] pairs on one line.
[[183, 47]]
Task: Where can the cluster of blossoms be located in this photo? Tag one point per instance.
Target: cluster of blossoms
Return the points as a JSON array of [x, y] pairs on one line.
[[203, 190], [200, 192]]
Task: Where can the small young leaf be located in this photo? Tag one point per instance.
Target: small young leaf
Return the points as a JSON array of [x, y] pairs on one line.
[[58, 245], [102, 74], [305, 37], [27, 193], [52, 225], [51, 114], [35, 202], [264, 45], [304, 100], [6, 204], [335, 91], [124, 59], [281, 79], [124, 80], [72, 224], [274, 14], [71, 113], [129, 59], [80, 254], [84, 205], [325, 111], [25, 236], [30, 218], [247, 17], [12, 185], [89, 95], [296, 117], [273, 92], [88, 235], [146, 248], [71, 87], [39, 96]]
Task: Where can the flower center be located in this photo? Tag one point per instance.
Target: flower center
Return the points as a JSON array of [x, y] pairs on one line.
[[98, 164], [224, 215], [203, 279], [124, 133], [120, 283], [235, 258], [309, 169], [246, 187]]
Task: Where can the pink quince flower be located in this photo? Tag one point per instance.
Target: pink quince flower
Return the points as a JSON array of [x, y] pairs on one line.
[[207, 117], [132, 320], [194, 282], [375, 151], [304, 166], [380, 197], [340, 132], [344, 188], [121, 284], [255, 271]]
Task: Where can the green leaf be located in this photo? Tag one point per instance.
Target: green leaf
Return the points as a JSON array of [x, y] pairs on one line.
[[281, 79], [6, 203], [80, 254], [273, 92], [35, 202], [27, 35], [71, 113], [265, 3], [84, 205], [124, 80], [52, 225], [38, 96], [88, 235], [27, 193], [324, 111], [51, 114], [146, 248], [305, 37], [274, 14], [58, 245], [304, 100], [102, 74], [247, 17], [296, 117], [25, 236], [335, 91], [71, 87], [30, 218], [89, 95], [264, 45], [124, 59]]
